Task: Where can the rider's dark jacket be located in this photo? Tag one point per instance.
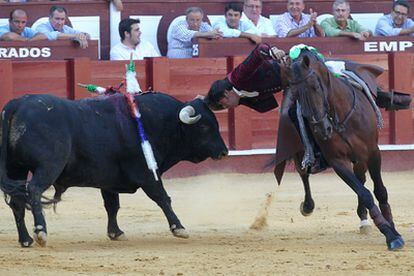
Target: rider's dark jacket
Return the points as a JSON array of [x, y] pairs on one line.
[[258, 72]]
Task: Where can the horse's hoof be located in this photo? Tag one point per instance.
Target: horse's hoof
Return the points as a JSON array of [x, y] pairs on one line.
[[365, 227], [40, 238], [396, 244], [117, 236], [304, 212], [180, 233]]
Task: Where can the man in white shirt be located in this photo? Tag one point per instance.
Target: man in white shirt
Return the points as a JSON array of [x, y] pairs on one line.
[[252, 9], [130, 33], [232, 26]]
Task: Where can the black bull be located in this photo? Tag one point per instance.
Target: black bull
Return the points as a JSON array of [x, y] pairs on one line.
[[95, 143]]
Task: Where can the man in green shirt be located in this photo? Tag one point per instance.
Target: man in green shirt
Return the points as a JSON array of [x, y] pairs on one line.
[[341, 25]]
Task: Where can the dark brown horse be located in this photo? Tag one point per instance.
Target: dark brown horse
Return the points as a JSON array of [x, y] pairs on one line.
[[343, 125]]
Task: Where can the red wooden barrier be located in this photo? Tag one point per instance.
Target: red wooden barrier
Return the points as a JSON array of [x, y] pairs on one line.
[[241, 128]]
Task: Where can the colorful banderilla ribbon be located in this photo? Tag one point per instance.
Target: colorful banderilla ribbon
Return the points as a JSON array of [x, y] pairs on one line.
[[132, 88]]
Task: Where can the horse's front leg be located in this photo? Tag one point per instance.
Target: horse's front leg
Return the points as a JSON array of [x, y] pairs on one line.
[[344, 171], [308, 205]]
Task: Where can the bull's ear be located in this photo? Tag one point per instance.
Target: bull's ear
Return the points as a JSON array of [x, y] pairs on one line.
[[305, 62]]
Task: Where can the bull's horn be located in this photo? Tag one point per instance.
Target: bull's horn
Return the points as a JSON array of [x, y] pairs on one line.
[[185, 115]]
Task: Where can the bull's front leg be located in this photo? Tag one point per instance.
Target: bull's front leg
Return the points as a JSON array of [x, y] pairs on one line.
[[111, 202], [155, 190]]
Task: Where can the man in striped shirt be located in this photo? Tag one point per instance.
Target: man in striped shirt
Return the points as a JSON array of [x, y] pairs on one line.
[[295, 23], [182, 33]]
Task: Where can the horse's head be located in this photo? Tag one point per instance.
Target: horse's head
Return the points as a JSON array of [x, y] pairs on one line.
[[309, 82]]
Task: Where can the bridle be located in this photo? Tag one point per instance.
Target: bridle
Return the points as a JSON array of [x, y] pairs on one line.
[[329, 115], [297, 82]]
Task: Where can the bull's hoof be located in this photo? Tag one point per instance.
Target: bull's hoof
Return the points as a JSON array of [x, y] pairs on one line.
[[180, 233], [117, 236], [305, 211], [396, 244], [365, 227], [40, 238], [27, 243]]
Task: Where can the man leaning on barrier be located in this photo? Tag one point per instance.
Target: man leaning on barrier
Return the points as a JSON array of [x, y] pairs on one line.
[[232, 25], [252, 9], [182, 33], [16, 29], [397, 22], [296, 23], [341, 25], [55, 28]]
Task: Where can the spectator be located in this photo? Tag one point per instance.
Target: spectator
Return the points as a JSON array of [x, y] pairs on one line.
[[397, 22], [55, 28], [131, 42], [232, 26], [252, 9], [180, 45], [295, 23], [16, 30], [341, 25]]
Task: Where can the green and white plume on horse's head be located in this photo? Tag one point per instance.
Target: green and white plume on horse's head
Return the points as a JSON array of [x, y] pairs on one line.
[[295, 51], [132, 85]]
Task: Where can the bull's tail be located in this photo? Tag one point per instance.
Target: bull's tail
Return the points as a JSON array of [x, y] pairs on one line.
[[8, 186]]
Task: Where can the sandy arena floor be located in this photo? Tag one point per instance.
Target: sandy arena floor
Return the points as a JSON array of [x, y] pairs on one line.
[[218, 211]]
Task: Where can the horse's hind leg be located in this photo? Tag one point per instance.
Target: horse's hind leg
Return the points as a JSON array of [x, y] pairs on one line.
[[364, 227], [306, 206], [379, 189], [343, 169]]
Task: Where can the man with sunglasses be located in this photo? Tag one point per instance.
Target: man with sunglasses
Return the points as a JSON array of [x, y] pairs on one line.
[[397, 22]]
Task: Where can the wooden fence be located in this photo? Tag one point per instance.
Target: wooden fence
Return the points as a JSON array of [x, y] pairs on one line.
[[241, 128]]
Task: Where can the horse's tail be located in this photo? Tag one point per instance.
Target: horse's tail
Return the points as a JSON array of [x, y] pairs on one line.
[[279, 168], [8, 186]]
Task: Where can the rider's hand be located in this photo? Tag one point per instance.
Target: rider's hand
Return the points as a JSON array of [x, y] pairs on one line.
[[276, 53]]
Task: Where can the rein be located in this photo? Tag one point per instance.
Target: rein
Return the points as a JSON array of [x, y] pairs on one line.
[[339, 127], [296, 82]]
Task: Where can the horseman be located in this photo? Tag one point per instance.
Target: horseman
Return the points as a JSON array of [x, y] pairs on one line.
[[252, 83], [263, 73]]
